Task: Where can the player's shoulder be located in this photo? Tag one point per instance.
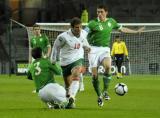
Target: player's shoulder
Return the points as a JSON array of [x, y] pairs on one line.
[[44, 36], [93, 21], [84, 32], [111, 19], [33, 37], [63, 34], [122, 42], [44, 61], [115, 43]]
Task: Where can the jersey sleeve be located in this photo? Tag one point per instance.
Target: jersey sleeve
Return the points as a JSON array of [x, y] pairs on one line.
[[85, 42], [59, 42], [90, 26], [47, 41], [115, 24]]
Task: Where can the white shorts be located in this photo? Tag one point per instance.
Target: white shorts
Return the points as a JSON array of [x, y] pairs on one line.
[[97, 54], [53, 92]]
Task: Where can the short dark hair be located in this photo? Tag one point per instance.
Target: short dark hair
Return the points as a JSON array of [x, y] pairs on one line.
[[117, 36], [102, 6], [36, 52], [35, 25], [75, 21]]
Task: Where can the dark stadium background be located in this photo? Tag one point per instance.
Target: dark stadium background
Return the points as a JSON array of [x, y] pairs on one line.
[[28, 12]]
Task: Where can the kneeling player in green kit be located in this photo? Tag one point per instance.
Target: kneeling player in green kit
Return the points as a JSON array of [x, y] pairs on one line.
[[42, 72]]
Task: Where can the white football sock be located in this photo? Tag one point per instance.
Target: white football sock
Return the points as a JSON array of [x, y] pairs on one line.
[[81, 84], [74, 88]]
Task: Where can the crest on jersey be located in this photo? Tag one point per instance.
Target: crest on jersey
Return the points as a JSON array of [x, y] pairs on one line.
[[40, 39], [109, 24]]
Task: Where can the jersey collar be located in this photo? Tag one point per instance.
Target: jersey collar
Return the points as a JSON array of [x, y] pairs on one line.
[[100, 21]]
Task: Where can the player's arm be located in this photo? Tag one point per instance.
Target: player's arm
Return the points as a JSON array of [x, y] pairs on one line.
[[128, 30], [125, 49], [29, 75], [49, 50], [125, 29], [113, 50], [30, 51], [86, 45], [48, 47], [56, 68], [59, 42]]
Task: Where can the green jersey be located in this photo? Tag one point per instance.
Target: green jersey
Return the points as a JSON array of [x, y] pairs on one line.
[[41, 70], [100, 32], [40, 41]]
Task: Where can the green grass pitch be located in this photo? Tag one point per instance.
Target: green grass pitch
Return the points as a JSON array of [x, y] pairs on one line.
[[141, 101]]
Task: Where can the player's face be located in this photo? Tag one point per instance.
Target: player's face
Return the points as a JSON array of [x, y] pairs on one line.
[[102, 14], [37, 30], [77, 29], [118, 40]]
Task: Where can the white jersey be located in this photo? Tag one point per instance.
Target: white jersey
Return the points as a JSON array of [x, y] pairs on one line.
[[69, 47]]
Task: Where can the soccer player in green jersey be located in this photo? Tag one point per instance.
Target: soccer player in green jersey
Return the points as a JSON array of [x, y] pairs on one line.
[[40, 40], [99, 32], [42, 72]]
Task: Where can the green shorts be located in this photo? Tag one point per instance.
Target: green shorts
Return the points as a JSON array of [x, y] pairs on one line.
[[66, 70]]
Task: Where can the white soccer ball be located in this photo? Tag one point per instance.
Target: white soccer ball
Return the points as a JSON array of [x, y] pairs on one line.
[[121, 89], [101, 69]]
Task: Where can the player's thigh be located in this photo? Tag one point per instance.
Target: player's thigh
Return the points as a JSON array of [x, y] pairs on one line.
[[77, 67], [59, 94], [44, 93], [53, 92], [67, 70], [106, 62], [93, 59]]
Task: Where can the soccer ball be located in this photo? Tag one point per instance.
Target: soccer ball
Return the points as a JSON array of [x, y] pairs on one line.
[[121, 89]]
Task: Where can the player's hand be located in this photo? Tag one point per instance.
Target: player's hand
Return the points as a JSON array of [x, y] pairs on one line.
[[127, 58], [113, 58]]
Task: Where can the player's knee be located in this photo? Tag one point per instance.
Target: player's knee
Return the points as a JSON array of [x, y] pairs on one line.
[[77, 69], [95, 79], [75, 74]]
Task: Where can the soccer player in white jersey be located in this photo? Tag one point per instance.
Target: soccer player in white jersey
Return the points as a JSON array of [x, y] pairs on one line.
[[70, 46]]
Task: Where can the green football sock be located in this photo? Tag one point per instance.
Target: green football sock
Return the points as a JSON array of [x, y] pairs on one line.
[[106, 80], [95, 83]]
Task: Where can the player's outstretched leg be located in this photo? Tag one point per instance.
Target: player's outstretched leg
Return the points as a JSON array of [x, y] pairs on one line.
[[96, 86], [71, 103], [100, 101], [106, 81]]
